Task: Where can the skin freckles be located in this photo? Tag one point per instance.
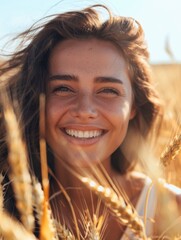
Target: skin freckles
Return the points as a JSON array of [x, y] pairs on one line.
[[89, 101]]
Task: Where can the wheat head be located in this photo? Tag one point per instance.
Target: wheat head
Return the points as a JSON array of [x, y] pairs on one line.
[[124, 212], [171, 151], [19, 173], [10, 229]]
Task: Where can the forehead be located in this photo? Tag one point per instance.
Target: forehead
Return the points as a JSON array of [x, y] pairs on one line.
[[86, 55], [89, 44]]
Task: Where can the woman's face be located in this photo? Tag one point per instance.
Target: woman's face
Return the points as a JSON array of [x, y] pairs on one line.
[[89, 101]]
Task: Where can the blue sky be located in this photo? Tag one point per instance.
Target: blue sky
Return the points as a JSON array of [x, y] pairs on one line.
[[161, 19]]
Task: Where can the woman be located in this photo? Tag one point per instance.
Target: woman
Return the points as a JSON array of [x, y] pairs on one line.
[[100, 109]]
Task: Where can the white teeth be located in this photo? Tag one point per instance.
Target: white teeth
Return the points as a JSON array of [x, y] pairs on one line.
[[87, 134], [83, 134]]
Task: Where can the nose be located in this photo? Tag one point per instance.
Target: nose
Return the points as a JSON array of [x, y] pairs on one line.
[[84, 107]]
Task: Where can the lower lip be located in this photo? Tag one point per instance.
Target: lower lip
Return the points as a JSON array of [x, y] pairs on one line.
[[82, 141]]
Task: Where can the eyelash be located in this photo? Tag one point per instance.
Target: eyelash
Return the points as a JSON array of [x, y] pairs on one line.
[[106, 90], [110, 91], [62, 89]]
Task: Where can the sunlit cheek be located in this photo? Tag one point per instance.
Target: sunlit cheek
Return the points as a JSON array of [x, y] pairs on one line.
[[122, 110], [121, 120]]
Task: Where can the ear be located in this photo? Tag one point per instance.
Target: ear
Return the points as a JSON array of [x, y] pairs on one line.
[[133, 112]]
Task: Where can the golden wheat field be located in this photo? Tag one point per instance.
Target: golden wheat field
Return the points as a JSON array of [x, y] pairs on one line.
[[32, 198], [167, 78]]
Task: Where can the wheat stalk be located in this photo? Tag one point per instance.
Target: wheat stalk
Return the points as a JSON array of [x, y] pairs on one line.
[[63, 232], [10, 229], [47, 229], [171, 151], [47, 222], [71, 208], [19, 174], [95, 227], [56, 228], [38, 198], [38, 201], [124, 212]]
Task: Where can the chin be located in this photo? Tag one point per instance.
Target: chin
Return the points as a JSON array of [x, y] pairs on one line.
[[80, 160]]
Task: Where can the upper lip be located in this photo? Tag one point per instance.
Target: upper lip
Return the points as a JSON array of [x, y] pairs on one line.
[[82, 127]]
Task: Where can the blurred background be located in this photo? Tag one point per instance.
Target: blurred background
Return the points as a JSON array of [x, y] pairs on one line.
[[161, 20]]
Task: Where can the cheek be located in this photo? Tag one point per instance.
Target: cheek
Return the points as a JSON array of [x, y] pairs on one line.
[[121, 119], [121, 127], [121, 112], [52, 116], [54, 110]]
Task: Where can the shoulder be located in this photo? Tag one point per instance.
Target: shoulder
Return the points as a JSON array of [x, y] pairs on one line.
[[138, 179], [164, 192], [134, 183], [174, 192], [168, 211]]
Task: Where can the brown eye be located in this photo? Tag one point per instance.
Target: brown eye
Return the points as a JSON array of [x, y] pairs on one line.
[[63, 90]]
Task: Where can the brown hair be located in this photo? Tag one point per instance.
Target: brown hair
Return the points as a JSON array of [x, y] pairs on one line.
[[31, 64]]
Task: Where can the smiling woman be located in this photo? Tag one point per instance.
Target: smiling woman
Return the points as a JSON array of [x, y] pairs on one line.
[[100, 108], [89, 100]]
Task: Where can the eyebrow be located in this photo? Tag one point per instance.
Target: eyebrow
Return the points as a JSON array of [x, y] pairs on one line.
[[101, 79], [108, 80], [63, 77]]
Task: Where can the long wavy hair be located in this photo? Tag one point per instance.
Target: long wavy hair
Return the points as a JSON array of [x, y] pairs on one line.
[[25, 74]]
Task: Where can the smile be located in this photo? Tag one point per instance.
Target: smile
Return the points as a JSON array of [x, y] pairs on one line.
[[83, 134]]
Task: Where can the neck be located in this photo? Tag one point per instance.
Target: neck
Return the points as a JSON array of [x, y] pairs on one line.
[[83, 200], [79, 194], [69, 176]]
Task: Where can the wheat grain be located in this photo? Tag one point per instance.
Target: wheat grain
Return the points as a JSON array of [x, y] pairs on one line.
[[47, 229], [69, 204], [171, 151], [124, 212], [95, 227], [10, 229], [63, 232], [38, 198], [38, 201], [19, 175]]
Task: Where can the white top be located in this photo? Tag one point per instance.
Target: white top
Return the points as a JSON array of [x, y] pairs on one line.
[[145, 207]]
